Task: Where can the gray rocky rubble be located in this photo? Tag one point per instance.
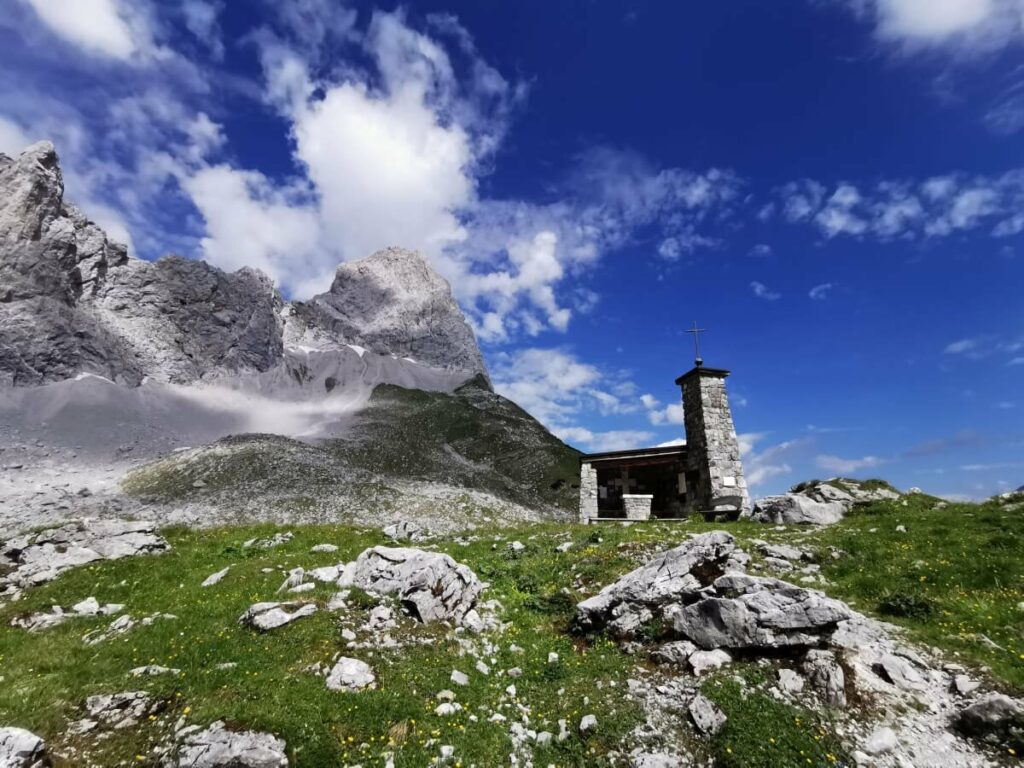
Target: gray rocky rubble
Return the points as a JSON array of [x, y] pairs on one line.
[[21, 749], [994, 717], [218, 747], [430, 585], [406, 530], [825, 674]]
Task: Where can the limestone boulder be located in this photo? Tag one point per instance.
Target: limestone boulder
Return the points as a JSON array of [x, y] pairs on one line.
[[267, 616], [747, 612], [431, 586], [21, 749], [826, 492], [218, 747], [707, 718], [674, 576], [797, 509]]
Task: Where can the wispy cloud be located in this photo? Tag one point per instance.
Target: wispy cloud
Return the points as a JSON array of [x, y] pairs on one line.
[[763, 292], [847, 466], [982, 346], [820, 292], [759, 466], [909, 209]]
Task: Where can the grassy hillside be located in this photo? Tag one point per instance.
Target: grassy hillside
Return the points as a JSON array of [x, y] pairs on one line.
[[955, 576], [448, 460], [474, 438]]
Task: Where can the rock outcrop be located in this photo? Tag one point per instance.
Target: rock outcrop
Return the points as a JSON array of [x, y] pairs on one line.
[[430, 585], [688, 588], [673, 577], [72, 301], [218, 747], [825, 651], [37, 558], [796, 509], [819, 503]]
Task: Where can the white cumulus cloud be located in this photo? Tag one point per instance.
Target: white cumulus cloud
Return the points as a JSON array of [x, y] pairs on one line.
[[112, 28]]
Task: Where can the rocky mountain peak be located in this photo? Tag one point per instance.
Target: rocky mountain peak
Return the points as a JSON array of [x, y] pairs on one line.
[[72, 301], [392, 302]]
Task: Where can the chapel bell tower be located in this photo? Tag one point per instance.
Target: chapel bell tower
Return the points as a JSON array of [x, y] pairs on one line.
[[714, 471]]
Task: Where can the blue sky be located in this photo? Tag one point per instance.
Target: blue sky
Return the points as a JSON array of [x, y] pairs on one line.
[[834, 188]]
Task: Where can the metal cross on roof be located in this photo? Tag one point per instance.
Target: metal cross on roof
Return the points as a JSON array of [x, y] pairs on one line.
[[696, 341]]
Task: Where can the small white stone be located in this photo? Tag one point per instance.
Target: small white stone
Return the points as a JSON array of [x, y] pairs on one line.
[[963, 685], [88, 607], [705, 661], [588, 724], [307, 587], [350, 675], [324, 548], [482, 668], [515, 672], [213, 578], [790, 681], [552, 658], [460, 678], [447, 709], [473, 622]]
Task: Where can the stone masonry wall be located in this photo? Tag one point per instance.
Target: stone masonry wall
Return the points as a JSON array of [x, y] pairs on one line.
[[712, 447], [637, 507], [588, 492]]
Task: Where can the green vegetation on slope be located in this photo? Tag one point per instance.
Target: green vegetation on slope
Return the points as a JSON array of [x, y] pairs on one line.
[[472, 438], [961, 561], [452, 459], [954, 578]]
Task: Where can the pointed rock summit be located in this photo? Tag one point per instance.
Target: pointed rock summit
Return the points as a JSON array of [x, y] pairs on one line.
[[72, 301], [392, 302]]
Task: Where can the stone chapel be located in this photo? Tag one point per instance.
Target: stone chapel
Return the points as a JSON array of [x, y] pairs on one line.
[[702, 476]]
